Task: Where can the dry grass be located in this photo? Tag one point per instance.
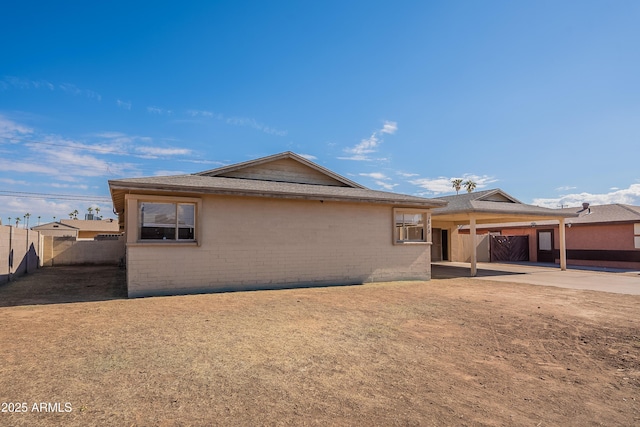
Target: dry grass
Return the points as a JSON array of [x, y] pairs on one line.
[[445, 352]]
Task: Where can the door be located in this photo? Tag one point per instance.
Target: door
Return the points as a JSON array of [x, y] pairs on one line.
[[436, 246], [545, 246], [445, 245]]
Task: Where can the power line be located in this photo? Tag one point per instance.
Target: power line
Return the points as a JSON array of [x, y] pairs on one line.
[[54, 196]]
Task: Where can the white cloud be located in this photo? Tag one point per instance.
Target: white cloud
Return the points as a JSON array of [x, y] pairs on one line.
[[74, 90], [158, 151], [407, 175], [375, 175], [10, 181], [159, 111], [389, 127], [308, 156], [9, 128], [361, 151], [203, 113], [565, 188], [629, 196], [386, 185], [252, 123], [126, 105], [442, 185]]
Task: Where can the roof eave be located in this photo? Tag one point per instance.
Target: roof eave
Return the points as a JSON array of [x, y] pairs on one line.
[[165, 188]]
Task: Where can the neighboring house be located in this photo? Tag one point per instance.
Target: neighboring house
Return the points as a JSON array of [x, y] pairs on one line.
[[57, 229], [89, 229], [466, 213], [273, 222], [600, 236]]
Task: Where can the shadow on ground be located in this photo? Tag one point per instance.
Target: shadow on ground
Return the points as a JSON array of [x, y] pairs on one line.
[[66, 284], [439, 271]]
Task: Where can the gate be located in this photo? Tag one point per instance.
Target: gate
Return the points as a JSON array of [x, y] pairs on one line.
[[509, 248]]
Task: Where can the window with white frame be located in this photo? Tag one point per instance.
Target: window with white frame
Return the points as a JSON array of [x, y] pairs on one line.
[[167, 221], [410, 226], [636, 237]]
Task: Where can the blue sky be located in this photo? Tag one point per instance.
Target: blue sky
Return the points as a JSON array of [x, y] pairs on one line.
[[539, 98]]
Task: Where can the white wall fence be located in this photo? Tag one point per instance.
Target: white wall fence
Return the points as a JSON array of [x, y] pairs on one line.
[[58, 250], [22, 251], [18, 252]]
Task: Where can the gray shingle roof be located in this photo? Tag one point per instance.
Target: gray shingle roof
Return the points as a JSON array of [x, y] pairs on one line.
[[197, 184], [493, 201]]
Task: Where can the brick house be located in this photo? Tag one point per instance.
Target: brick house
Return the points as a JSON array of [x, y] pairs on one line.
[[278, 221]]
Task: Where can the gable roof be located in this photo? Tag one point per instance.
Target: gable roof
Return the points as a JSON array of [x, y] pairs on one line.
[[493, 206], [282, 167], [265, 182], [605, 213], [53, 225]]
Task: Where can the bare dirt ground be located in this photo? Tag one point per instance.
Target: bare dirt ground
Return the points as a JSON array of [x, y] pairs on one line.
[[446, 352]]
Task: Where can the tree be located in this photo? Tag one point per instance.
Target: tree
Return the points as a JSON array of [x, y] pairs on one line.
[[97, 211], [17, 221], [457, 184], [470, 185], [38, 219], [70, 215], [26, 219], [90, 210], [75, 213]]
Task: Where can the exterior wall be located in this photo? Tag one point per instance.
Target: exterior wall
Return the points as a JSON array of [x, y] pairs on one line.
[[19, 249], [464, 247], [253, 243], [69, 251]]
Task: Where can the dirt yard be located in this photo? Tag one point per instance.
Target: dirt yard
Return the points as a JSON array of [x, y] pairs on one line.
[[445, 352]]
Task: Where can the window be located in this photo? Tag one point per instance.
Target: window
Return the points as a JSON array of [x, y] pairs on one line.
[[636, 237], [410, 226], [167, 221]]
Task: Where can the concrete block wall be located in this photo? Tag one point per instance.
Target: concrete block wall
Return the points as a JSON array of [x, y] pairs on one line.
[[58, 250], [19, 253], [249, 243]]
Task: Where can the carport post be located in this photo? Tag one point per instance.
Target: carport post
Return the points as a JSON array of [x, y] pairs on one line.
[[563, 246], [474, 247]]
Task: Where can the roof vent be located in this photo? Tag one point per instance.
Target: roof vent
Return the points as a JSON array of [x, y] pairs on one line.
[[585, 206]]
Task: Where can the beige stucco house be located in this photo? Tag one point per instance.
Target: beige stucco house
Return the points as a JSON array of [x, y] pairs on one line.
[[79, 228], [277, 221]]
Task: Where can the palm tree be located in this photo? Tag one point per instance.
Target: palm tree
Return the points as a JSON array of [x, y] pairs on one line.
[[470, 185], [70, 215], [17, 221], [54, 219], [90, 210], [97, 211], [26, 219], [457, 184], [38, 219], [75, 213]]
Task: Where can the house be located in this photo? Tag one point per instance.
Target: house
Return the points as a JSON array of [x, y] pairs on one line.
[[89, 229], [465, 213], [57, 229], [79, 228], [598, 236], [278, 221]]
